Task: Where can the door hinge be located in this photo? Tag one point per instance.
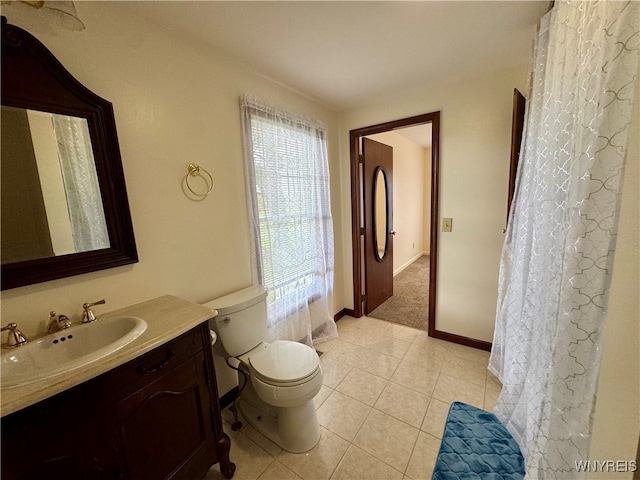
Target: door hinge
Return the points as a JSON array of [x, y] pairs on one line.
[[364, 297], [362, 231], [360, 158]]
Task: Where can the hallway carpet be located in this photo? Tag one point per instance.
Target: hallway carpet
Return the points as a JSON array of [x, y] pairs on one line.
[[409, 304]]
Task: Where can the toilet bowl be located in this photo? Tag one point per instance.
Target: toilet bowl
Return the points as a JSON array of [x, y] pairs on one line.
[[283, 376]]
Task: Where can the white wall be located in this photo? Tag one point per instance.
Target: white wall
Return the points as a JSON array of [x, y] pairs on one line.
[[474, 167], [408, 198], [175, 102]]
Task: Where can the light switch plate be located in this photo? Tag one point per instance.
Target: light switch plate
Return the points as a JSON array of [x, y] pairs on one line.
[[447, 224]]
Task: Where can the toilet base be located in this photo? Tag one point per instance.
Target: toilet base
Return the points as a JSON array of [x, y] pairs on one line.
[[294, 429]]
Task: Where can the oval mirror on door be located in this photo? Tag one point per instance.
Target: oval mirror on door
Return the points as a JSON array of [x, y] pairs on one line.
[[380, 213]]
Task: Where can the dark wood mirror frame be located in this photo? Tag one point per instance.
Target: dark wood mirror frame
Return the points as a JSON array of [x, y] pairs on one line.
[[32, 78]]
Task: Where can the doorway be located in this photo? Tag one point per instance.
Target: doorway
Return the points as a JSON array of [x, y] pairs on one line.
[[358, 220]]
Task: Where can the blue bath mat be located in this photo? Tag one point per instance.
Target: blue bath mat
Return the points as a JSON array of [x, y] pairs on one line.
[[475, 445]]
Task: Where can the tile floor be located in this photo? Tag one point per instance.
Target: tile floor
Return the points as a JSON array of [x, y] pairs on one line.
[[382, 408]]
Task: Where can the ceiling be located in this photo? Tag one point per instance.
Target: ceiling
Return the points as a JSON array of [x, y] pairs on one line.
[[418, 134], [348, 54]]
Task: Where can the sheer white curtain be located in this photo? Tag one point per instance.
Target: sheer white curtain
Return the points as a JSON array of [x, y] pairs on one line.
[[81, 186], [287, 176], [558, 254]]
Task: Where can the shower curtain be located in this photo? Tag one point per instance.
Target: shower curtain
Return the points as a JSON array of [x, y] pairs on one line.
[[558, 254], [82, 190]]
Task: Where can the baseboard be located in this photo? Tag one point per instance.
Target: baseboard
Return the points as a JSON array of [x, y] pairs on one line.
[[228, 398], [461, 340], [342, 313], [409, 262]]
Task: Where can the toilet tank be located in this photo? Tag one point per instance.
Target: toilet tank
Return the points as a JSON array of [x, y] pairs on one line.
[[241, 323]]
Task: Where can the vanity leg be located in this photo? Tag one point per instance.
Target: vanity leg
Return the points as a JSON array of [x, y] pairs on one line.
[[227, 468]]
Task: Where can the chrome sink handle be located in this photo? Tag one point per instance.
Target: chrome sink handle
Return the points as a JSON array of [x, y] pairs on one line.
[[57, 324], [88, 316], [15, 338]]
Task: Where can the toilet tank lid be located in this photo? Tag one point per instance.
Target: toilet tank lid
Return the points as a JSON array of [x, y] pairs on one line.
[[239, 300]]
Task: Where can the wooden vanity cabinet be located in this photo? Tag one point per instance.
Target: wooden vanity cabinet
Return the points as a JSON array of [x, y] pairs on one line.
[[155, 417]]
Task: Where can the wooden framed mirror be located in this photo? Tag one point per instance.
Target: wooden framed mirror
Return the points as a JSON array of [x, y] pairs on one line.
[[380, 203], [65, 209]]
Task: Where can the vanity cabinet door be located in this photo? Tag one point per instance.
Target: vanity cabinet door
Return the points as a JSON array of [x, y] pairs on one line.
[[53, 440], [163, 428]]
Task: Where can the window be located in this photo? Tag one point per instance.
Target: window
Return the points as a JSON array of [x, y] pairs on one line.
[[288, 190]]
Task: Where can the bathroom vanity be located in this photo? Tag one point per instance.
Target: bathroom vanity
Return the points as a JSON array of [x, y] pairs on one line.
[[147, 411]]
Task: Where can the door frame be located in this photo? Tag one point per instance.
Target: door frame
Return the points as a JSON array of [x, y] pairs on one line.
[[356, 206]]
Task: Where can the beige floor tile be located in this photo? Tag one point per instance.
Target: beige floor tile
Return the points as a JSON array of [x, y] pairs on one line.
[[464, 369], [250, 459], [431, 356], [424, 457], [378, 364], [214, 473], [322, 395], [320, 462], [449, 389], [358, 464], [372, 322], [435, 418], [364, 333], [362, 386], [249, 431], [345, 353], [260, 440], [348, 320], [403, 403], [401, 332], [416, 377], [470, 353], [387, 439], [493, 382], [327, 346], [226, 428], [343, 415], [424, 340], [277, 471], [229, 419], [490, 398], [382, 409], [372, 337], [333, 370], [391, 346]]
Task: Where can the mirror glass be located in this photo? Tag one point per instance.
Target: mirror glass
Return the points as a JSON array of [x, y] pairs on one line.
[[51, 202], [380, 213]]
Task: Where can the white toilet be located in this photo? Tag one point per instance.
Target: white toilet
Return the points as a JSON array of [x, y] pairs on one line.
[[283, 377]]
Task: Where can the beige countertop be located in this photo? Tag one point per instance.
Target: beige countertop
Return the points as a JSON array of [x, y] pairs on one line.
[[167, 317]]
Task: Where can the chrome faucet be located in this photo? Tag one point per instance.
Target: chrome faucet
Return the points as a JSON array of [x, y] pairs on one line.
[[62, 322], [15, 337], [88, 316]]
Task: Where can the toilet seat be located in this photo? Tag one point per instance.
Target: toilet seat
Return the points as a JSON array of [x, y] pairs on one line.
[[284, 363]]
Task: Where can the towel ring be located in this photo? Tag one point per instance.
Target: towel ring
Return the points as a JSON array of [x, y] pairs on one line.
[[195, 171]]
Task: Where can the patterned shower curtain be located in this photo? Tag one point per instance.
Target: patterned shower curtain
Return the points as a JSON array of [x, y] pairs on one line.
[[558, 254], [81, 186]]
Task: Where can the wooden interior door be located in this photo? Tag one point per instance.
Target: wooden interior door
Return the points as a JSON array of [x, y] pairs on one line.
[[517, 127], [378, 275]]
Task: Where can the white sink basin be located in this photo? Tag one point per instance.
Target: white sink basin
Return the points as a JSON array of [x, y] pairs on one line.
[[68, 349]]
